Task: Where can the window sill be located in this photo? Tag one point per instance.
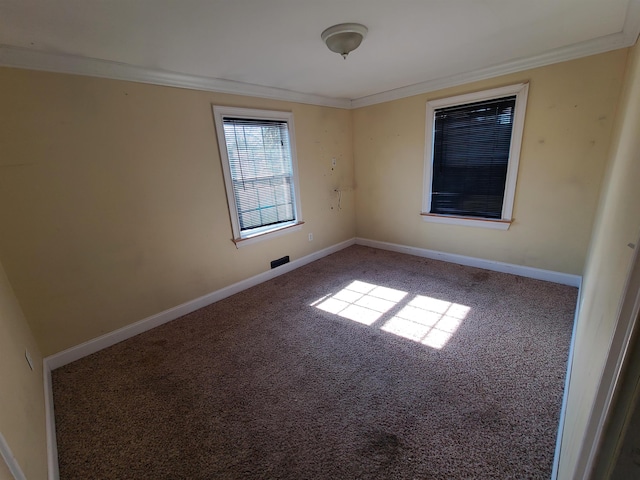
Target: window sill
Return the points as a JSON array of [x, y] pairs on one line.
[[467, 221], [258, 237]]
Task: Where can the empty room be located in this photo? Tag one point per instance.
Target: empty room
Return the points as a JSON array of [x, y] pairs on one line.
[[295, 239]]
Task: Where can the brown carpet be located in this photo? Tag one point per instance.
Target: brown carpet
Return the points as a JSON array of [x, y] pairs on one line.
[[263, 385]]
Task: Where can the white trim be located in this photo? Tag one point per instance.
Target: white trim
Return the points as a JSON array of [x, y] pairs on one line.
[[565, 391], [631, 27], [277, 232], [477, 96], [219, 114], [92, 346], [530, 272], [10, 460], [17, 57], [87, 348], [514, 151], [520, 91], [52, 444], [467, 221], [521, 270], [626, 320], [626, 38]]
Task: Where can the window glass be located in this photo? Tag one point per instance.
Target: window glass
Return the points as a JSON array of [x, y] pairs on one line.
[[261, 171], [470, 158], [472, 152], [259, 165]]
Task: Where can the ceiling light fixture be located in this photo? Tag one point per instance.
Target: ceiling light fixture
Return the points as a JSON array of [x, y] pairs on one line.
[[344, 38]]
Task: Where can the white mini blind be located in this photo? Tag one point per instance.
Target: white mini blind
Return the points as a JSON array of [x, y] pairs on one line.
[[261, 168]]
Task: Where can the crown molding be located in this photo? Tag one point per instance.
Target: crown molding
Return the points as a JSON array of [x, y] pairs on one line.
[[591, 47], [10, 460], [626, 38], [631, 27], [18, 57]]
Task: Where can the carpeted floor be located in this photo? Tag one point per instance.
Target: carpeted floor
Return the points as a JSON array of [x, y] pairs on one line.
[[365, 364]]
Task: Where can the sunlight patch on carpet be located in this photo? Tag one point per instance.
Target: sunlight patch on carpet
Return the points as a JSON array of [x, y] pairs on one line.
[[427, 320], [361, 302], [423, 319]]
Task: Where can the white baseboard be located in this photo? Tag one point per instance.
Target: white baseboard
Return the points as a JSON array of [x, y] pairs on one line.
[[530, 272], [52, 444], [10, 460], [87, 348], [537, 273], [565, 391]]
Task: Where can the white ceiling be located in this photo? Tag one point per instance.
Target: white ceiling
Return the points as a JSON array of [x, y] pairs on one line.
[[412, 45]]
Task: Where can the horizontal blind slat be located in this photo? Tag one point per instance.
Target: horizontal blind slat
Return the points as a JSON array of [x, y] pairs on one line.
[[470, 157], [261, 170]]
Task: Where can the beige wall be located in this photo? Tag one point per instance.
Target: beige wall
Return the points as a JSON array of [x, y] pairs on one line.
[[21, 390], [113, 206], [608, 263], [566, 136]]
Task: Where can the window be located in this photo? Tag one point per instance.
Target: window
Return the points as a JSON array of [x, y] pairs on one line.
[[471, 158], [257, 150]]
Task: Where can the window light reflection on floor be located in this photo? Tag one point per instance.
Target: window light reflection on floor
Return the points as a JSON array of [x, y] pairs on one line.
[[361, 302], [427, 320], [423, 319]]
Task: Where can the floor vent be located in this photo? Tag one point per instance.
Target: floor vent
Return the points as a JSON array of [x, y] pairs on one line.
[[280, 261]]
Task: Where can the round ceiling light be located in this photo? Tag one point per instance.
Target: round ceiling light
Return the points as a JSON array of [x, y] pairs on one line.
[[344, 38]]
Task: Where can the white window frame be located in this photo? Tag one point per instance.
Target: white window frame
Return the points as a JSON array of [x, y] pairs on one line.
[[521, 91], [261, 233]]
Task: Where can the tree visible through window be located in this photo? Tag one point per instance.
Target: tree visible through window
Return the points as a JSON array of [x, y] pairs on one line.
[[259, 167], [261, 171]]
